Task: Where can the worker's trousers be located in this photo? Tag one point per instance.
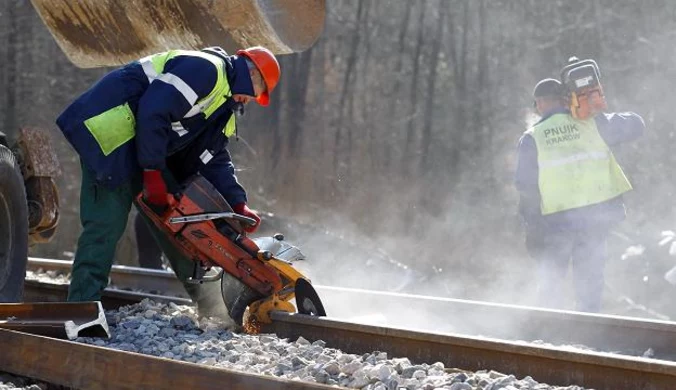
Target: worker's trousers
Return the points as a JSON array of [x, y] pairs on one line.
[[149, 254], [103, 214], [585, 250]]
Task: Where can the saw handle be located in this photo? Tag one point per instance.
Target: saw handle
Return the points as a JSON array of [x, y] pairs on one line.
[[211, 216]]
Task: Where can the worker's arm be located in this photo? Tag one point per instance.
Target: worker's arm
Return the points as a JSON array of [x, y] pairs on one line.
[[616, 128], [220, 171], [168, 98], [526, 178]]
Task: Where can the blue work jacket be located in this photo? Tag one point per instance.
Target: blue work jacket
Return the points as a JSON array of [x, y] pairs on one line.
[[164, 136]]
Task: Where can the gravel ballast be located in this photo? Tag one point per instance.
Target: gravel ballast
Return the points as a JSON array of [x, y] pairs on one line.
[[174, 332], [13, 382]]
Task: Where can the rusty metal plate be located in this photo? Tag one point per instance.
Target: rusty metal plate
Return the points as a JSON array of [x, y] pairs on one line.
[[96, 33], [38, 157], [65, 320]]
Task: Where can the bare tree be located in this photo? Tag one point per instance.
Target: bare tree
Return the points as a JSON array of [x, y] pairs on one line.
[[412, 128], [346, 89], [10, 69], [431, 92], [392, 122]]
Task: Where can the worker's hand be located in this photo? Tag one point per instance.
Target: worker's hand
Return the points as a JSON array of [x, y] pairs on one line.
[[155, 191], [243, 209]]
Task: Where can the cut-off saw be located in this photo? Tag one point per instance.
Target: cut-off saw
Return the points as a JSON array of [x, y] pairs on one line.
[[255, 274]]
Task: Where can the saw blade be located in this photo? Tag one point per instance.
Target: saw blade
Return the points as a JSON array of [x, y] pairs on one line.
[[307, 300]]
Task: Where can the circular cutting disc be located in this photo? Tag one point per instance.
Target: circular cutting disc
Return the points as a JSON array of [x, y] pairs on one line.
[[307, 300]]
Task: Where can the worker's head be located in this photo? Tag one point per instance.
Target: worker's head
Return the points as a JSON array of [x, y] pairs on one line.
[[264, 71], [548, 95]]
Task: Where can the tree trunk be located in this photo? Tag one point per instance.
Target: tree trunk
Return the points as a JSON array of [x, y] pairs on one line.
[[411, 123], [10, 123], [345, 92], [297, 90], [430, 100], [392, 122]]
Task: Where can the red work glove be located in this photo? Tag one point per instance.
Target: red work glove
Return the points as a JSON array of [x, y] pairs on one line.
[[243, 209], [155, 188]]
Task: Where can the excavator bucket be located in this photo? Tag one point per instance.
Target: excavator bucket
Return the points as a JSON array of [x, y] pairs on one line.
[[94, 33]]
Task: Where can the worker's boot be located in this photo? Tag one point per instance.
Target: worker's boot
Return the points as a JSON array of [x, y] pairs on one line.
[[207, 297]]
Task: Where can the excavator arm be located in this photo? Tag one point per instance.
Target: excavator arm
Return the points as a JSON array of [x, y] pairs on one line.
[[95, 33]]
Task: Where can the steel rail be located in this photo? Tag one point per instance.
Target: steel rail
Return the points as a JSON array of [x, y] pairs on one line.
[[133, 278], [35, 291], [602, 332], [610, 333], [83, 366], [601, 371]]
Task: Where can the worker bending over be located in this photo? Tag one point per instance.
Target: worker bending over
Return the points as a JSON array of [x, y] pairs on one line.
[[148, 126]]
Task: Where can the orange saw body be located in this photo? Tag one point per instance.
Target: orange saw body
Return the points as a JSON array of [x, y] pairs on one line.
[[204, 228]]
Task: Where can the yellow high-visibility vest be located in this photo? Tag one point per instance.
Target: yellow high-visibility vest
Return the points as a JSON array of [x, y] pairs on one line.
[[576, 167]]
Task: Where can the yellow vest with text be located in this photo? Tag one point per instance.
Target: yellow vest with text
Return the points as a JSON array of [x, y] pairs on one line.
[[576, 167]]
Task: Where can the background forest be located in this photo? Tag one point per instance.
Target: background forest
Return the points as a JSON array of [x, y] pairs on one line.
[[389, 149]]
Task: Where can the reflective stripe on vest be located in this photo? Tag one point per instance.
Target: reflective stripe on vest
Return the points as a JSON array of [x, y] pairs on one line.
[[153, 66], [576, 167]]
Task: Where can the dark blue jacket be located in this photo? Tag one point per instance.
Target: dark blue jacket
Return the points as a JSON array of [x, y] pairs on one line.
[[614, 128], [155, 107]]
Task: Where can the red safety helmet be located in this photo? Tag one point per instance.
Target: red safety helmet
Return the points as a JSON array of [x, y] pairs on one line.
[[267, 65]]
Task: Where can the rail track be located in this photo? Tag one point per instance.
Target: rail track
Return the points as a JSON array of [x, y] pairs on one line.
[[607, 333], [556, 366]]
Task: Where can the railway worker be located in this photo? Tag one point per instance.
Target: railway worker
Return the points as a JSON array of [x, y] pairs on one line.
[[571, 188], [145, 127]]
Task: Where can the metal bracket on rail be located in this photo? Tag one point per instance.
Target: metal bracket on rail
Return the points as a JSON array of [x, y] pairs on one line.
[[64, 320]]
